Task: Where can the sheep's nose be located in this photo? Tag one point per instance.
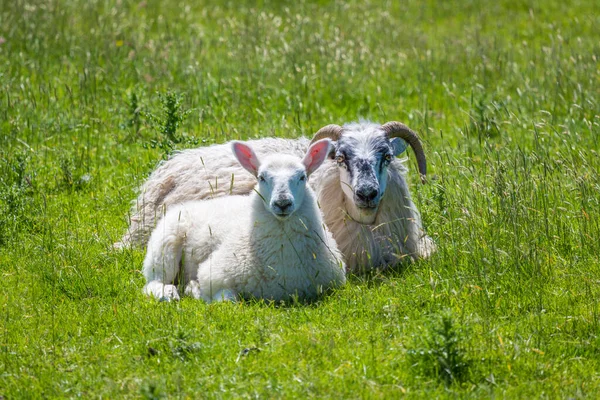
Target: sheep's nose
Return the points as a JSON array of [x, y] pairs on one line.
[[367, 194], [283, 204]]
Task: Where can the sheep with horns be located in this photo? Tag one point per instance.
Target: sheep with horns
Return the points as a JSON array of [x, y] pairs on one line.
[[361, 189]]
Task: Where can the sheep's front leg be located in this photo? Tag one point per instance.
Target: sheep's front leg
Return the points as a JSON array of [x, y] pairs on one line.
[[161, 264], [426, 247], [161, 291], [193, 289]]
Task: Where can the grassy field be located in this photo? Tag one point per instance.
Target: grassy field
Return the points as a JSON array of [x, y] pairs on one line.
[[505, 94]]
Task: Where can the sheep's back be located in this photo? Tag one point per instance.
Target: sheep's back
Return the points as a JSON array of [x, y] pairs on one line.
[[210, 172]]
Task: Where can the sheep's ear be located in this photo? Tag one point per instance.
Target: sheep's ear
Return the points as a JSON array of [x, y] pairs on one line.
[[398, 146], [246, 156], [315, 155]]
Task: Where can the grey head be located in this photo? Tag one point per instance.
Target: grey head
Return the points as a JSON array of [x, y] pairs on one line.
[[363, 152]]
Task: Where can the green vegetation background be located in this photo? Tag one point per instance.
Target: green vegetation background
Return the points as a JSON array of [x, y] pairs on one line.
[[505, 95]]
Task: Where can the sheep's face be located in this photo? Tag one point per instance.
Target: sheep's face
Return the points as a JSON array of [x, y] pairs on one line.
[[282, 178], [363, 154], [282, 186]]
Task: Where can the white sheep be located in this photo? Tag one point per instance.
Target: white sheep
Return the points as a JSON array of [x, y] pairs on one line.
[[270, 244], [362, 190]]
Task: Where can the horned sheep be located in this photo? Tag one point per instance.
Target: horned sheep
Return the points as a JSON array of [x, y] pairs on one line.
[[270, 244], [362, 190]]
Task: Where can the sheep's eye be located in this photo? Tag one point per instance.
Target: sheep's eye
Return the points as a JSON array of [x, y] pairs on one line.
[[261, 178], [388, 158], [340, 159], [303, 178]]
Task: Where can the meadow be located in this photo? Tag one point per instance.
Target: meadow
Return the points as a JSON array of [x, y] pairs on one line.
[[505, 95]]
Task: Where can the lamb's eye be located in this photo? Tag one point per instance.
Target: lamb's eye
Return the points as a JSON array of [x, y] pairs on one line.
[[261, 178], [303, 178], [340, 159]]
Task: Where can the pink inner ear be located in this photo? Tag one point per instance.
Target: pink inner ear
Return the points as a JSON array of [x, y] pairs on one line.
[[247, 153], [246, 157], [316, 155], [315, 150]]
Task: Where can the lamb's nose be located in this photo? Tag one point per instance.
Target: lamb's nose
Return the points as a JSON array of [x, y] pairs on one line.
[[367, 194], [283, 204]]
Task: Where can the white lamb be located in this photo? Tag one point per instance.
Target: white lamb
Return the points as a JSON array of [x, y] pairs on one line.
[[271, 244]]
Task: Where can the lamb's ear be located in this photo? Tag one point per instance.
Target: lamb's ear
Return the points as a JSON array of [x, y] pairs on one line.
[[315, 155], [398, 145], [246, 156]]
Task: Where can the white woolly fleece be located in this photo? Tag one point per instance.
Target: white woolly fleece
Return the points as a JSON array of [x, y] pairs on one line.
[[206, 172], [234, 247]]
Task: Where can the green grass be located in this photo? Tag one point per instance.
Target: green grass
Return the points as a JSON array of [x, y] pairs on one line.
[[505, 95]]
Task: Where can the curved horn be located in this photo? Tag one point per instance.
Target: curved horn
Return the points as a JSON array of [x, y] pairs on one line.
[[332, 132], [396, 129]]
